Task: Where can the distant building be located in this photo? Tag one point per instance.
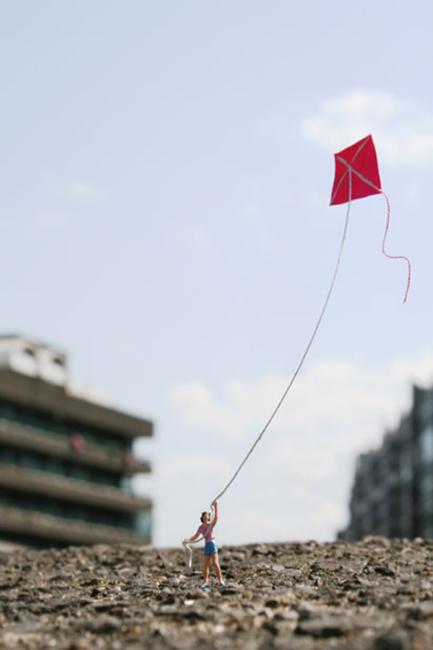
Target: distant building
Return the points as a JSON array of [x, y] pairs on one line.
[[65, 461], [392, 493]]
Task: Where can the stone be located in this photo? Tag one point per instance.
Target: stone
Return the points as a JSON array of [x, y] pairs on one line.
[[100, 624], [388, 642], [325, 626]]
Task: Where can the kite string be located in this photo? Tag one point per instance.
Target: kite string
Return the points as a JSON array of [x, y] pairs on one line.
[[307, 349], [187, 544]]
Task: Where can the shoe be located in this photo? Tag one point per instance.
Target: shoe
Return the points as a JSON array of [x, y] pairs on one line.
[[204, 587], [222, 583]]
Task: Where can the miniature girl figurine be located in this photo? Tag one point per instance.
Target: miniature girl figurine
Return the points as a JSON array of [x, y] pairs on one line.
[[210, 548]]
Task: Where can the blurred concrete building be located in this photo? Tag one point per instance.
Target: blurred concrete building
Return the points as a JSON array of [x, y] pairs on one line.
[[65, 460], [392, 493]]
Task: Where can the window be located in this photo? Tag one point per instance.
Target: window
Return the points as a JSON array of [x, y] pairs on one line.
[[80, 473], [143, 523], [405, 466], [54, 466], [126, 485], [32, 461], [426, 445], [427, 407], [427, 484], [7, 456], [104, 477]]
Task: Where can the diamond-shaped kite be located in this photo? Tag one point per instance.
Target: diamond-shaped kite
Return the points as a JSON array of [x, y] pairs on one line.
[[357, 176], [361, 159]]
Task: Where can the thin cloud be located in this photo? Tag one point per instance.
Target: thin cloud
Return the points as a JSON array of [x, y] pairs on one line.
[[50, 219], [80, 191], [331, 397], [65, 196], [402, 129], [300, 478], [199, 465], [292, 512]]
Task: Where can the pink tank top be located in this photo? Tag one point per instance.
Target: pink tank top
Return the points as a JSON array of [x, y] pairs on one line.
[[207, 531]]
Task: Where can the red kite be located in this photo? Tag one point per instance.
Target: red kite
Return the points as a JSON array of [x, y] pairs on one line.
[[357, 176]]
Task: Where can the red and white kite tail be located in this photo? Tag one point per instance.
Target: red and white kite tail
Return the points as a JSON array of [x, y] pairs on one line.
[[395, 257]]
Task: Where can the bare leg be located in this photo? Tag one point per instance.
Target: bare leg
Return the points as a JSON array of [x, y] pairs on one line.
[[206, 564], [217, 567]]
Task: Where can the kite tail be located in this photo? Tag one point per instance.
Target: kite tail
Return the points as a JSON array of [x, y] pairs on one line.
[[395, 257]]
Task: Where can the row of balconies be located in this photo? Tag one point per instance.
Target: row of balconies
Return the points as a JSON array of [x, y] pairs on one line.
[[68, 489], [35, 525], [37, 440], [30, 393]]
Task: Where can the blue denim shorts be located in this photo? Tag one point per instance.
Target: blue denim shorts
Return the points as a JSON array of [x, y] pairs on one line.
[[210, 548]]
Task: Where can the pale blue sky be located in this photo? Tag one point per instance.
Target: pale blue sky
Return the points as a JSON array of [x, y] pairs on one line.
[[165, 178]]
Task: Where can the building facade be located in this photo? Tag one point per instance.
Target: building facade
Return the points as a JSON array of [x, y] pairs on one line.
[[392, 493], [66, 461]]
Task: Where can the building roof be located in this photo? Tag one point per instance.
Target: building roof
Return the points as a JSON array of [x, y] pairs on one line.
[[57, 401]]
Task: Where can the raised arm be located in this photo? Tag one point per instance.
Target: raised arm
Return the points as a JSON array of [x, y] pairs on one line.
[[215, 507]]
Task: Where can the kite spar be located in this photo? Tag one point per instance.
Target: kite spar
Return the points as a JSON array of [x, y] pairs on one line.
[[356, 176]]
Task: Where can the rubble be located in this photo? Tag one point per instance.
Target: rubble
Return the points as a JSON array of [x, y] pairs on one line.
[[371, 595]]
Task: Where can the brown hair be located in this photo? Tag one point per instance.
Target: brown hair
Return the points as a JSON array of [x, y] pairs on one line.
[[203, 514]]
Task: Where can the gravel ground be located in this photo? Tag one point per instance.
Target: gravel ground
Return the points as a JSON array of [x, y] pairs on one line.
[[374, 594]]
